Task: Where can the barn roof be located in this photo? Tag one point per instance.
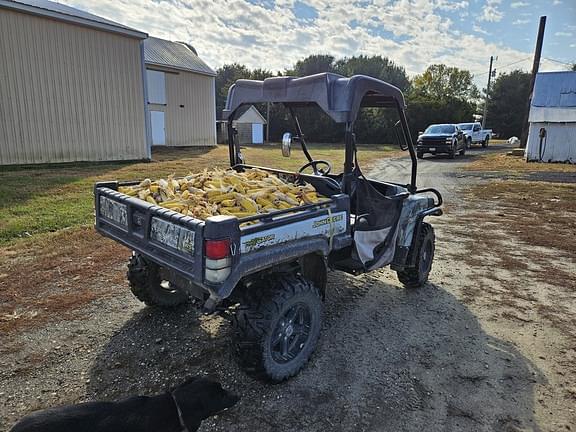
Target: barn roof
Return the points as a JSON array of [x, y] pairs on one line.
[[555, 89], [175, 55], [69, 14]]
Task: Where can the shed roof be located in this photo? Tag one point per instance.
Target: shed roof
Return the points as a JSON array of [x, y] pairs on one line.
[[175, 55], [250, 115], [555, 89], [69, 14]]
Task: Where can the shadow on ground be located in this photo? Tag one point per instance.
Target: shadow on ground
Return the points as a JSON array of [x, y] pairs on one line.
[[389, 359]]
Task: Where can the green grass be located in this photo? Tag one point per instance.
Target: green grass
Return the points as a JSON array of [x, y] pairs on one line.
[[43, 199]]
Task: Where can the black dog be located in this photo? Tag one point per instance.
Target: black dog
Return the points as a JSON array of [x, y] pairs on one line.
[[180, 410]]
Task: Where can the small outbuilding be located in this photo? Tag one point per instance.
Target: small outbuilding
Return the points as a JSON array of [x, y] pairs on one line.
[[552, 133], [180, 94], [250, 126]]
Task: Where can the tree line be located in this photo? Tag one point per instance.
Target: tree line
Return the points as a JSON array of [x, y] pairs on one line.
[[441, 94]]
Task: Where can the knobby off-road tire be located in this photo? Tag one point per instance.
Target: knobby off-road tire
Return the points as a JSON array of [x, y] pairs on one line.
[[417, 276], [276, 328], [148, 287]]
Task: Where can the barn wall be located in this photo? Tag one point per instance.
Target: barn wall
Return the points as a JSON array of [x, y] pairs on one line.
[[68, 93], [559, 146], [194, 124]]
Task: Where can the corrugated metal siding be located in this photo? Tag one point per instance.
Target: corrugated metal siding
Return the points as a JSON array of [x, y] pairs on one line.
[[195, 123], [559, 146], [555, 89], [68, 93]]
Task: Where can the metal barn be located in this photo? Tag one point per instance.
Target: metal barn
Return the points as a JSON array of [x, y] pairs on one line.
[[552, 133], [72, 86], [181, 94]]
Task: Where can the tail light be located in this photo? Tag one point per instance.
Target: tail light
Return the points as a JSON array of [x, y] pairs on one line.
[[218, 260]]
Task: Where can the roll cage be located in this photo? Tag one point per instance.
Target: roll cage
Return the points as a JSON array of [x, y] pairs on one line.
[[339, 97]]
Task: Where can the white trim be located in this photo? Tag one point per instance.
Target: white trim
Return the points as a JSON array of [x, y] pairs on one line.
[[552, 115]]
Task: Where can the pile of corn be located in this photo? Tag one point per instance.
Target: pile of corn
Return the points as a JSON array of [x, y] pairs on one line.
[[224, 192]]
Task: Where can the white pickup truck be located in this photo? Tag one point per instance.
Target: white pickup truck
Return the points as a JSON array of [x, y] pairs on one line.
[[475, 134]]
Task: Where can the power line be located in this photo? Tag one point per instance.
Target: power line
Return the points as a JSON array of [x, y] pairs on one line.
[[503, 67], [557, 61]]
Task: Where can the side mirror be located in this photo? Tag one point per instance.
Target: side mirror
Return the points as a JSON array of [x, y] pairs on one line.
[[286, 144], [420, 133]]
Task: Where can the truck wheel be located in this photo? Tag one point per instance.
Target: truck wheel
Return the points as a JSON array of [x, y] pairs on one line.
[[420, 155], [148, 287], [463, 151], [452, 152], [469, 142], [417, 276], [276, 329], [485, 142]]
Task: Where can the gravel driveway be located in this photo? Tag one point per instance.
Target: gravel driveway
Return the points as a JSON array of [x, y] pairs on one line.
[[389, 359]]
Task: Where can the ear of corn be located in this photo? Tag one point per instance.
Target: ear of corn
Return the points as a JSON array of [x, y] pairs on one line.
[[227, 192]]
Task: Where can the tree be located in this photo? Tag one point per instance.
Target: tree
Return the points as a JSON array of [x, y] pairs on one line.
[[376, 66], [225, 77], [573, 68], [507, 103], [313, 64], [441, 82]]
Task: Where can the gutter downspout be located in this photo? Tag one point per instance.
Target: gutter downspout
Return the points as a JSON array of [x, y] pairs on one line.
[[147, 124]]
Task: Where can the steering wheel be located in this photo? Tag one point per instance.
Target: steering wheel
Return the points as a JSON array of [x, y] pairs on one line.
[[314, 164]]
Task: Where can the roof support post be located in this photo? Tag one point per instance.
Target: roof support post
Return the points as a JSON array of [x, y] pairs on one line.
[[408, 138]]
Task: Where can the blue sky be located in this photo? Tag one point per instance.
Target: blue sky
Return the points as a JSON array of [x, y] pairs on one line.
[[273, 34]]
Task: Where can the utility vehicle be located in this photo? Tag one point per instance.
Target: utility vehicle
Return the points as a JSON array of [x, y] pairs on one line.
[[270, 277]]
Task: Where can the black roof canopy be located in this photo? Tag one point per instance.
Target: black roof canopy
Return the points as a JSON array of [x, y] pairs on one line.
[[338, 96]]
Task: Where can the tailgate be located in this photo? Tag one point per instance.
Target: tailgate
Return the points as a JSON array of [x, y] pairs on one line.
[[166, 237]]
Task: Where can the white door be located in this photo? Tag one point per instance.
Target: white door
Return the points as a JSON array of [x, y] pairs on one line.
[[257, 133], [158, 131]]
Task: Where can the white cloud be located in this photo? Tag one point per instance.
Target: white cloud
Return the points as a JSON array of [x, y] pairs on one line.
[[519, 4], [563, 34], [412, 33], [521, 22], [490, 11], [557, 2]]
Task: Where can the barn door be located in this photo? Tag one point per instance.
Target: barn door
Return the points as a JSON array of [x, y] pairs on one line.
[[158, 130]]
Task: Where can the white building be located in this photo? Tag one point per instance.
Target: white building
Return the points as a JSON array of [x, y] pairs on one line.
[[552, 133]]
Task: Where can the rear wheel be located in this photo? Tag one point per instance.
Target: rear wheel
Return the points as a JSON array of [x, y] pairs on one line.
[[420, 155], [485, 142], [276, 328], [469, 142], [463, 151], [424, 253], [148, 286]]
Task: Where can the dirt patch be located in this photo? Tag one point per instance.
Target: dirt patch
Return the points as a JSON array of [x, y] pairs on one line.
[[53, 277], [503, 162]]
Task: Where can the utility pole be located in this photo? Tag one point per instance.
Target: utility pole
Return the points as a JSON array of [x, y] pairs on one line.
[[535, 67], [487, 92]]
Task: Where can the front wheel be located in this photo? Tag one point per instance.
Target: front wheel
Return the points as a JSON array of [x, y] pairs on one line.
[[423, 249], [469, 142], [420, 155], [147, 285], [452, 151], [463, 151], [276, 328]]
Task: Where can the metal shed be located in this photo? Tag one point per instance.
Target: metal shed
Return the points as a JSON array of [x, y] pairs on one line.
[[181, 94], [72, 86], [552, 133]]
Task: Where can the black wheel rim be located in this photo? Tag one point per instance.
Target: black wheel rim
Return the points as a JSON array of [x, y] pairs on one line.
[[291, 333], [426, 258]]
